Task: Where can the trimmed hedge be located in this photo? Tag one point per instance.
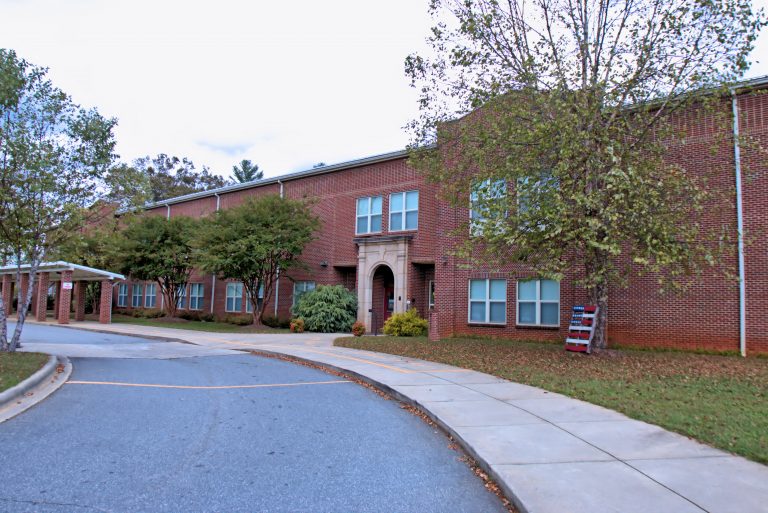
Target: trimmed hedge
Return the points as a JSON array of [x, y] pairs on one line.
[[407, 324], [327, 309]]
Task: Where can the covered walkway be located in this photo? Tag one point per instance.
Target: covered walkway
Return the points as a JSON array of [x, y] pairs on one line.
[[59, 279]]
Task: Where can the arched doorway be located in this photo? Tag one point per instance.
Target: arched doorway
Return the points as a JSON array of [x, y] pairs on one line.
[[382, 296]]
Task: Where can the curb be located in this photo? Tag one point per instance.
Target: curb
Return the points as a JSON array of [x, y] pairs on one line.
[[45, 372], [466, 447], [106, 331], [35, 388]]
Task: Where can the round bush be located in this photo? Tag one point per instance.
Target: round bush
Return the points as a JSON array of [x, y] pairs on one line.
[[358, 329], [327, 309], [407, 324]]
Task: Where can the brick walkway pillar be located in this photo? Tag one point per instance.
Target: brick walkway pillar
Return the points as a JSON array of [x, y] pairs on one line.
[[23, 288], [65, 297], [434, 332], [80, 287], [41, 307], [7, 293], [105, 305]]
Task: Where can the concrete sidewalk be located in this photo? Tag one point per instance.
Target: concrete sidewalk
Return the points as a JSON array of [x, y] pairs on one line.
[[549, 453]]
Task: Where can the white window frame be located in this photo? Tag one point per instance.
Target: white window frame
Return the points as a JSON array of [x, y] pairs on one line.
[[197, 298], [298, 293], [181, 301], [538, 302], [150, 298], [476, 219], [487, 301], [431, 294], [403, 212], [369, 215], [122, 295], [137, 300], [260, 298], [235, 286]]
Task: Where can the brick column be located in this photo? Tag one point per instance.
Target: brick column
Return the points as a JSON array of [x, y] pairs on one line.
[[80, 287], [65, 298], [434, 333], [7, 293], [105, 305], [23, 288], [42, 296]]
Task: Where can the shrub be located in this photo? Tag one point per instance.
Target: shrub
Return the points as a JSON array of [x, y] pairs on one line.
[[153, 313], [297, 325], [239, 320], [207, 317], [190, 316], [327, 309], [407, 324], [274, 321], [358, 329]]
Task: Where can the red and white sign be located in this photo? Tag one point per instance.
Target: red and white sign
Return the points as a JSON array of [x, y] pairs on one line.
[[66, 285]]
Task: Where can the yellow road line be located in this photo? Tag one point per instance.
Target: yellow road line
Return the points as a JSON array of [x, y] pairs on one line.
[[196, 387]]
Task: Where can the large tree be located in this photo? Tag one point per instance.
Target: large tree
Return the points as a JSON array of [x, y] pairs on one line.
[[565, 108], [170, 176], [153, 248], [246, 171], [53, 157], [252, 242]]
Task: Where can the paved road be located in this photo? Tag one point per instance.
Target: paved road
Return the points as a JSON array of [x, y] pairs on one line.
[[308, 443]]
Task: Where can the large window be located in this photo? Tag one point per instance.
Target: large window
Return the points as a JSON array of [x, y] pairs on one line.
[[404, 211], [488, 301], [538, 303], [368, 215], [181, 303], [150, 296], [122, 295], [196, 293], [234, 297], [482, 196], [138, 295], [259, 299], [300, 288]]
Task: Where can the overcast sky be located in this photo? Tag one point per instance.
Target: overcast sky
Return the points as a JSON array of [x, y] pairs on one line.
[[285, 84]]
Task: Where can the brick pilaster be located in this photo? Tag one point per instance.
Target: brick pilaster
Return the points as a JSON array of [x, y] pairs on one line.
[[41, 306], [80, 287], [434, 332], [105, 305], [65, 298], [7, 293]]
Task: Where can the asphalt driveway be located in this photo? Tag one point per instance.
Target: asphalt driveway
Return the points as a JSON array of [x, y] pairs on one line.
[[231, 432]]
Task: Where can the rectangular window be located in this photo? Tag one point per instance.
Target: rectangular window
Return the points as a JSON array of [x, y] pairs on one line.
[[488, 301], [300, 288], [404, 211], [368, 215], [150, 296], [181, 303], [260, 299], [482, 196], [234, 297], [138, 295], [122, 295], [196, 294], [431, 292], [538, 303]]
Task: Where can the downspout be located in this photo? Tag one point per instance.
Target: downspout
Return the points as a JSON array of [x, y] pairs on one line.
[[277, 280], [739, 227], [168, 212], [213, 276]]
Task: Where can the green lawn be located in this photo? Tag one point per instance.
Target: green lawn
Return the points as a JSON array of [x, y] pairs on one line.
[[720, 400], [214, 327], [16, 367]]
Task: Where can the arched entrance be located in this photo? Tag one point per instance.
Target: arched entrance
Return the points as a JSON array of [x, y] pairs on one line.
[[382, 296]]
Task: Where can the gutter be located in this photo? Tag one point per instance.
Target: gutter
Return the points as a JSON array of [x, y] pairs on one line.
[[739, 226]]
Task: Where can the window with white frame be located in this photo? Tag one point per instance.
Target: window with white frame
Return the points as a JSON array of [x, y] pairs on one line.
[[538, 303], [300, 288], [529, 191], [431, 294], [259, 299], [122, 295], [138, 295], [488, 301], [404, 211], [196, 294], [368, 215], [181, 303], [150, 296], [482, 195], [234, 301]]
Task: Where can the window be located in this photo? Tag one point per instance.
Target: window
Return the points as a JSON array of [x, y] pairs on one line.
[[181, 303], [260, 300], [404, 211], [488, 301], [150, 296], [368, 215], [431, 294], [300, 288], [482, 195], [122, 295], [234, 297], [538, 303], [196, 293], [138, 295], [529, 192]]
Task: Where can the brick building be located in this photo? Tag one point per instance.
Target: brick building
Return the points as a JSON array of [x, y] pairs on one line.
[[385, 234]]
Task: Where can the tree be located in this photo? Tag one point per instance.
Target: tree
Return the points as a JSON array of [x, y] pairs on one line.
[[251, 242], [565, 109], [128, 187], [247, 172], [53, 157], [153, 248], [170, 176]]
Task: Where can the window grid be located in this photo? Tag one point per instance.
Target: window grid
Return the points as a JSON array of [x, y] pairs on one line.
[[483, 192], [150, 296], [300, 288], [487, 301], [138, 295], [196, 294], [122, 295], [368, 218], [260, 300], [404, 211], [538, 303], [181, 303], [234, 301]]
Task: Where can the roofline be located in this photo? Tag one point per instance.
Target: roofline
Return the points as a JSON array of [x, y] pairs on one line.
[[375, 159], [60, 265]]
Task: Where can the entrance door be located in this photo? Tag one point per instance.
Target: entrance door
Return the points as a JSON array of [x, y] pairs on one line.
[[389, 301]]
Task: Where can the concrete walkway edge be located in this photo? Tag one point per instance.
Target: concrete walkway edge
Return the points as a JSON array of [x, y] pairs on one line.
[[35, 388]]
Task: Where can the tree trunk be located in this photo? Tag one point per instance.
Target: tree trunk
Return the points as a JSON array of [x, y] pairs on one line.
[[599, 297], [24, 303]]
